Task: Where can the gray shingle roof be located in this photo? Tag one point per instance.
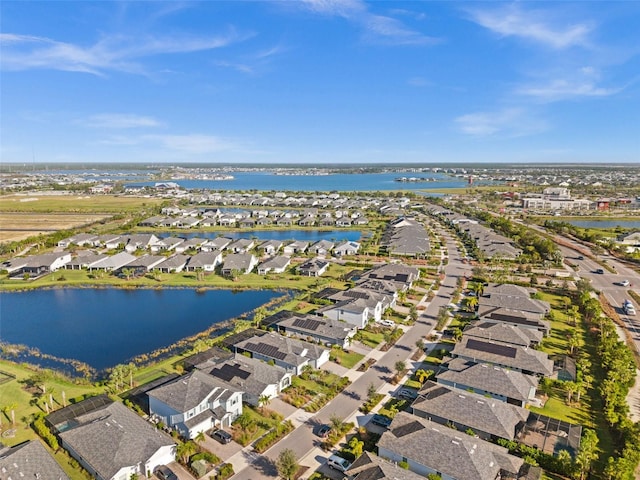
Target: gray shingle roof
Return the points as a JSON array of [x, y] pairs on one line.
[[503, 332], [276, 346], [449, 451], [29, 460], [496, 380], [316, 325], [469, 409], [113, 438], [371, 467]]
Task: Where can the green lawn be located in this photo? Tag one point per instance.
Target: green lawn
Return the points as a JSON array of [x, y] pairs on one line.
[[555, 407], [346, 358], [260, 422], [76, 203], [370, 339]]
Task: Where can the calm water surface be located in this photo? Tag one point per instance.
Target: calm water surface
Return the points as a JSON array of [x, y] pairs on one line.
[[104, 327], [605, 223]]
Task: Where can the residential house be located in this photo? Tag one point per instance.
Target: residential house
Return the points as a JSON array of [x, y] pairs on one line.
[[113, 263], [517, 318], [523, 359], [168, 244], [270, 247], [142, 265], [274, 265], [291, 354], [406, 237], [195, 402], [140, 241], [314, 267], [317, 329], [257, 380], [322, 248], [218, 243], [205, 261], [81, 240], [174, 264], [83, 259], [29, 460], [356, 312], [187, 222], [110, 441], [500, 383], [346, 248], [369, 466], [192, 243], [296, 248], [449, 453], [37, 265], [242, 245], [489, 418], [239, 262], [151, 221], [395, 272], [505, 333]]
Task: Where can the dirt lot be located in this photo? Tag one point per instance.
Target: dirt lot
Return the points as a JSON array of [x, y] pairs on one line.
[[18, 226]]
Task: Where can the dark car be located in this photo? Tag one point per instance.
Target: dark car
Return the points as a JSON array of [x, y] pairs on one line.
[[600, 271], [222, 436], [165, 473], [407, 394], [381, 420], [323, 431]]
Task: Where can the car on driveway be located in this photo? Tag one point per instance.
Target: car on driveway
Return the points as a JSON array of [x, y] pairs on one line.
[[165, 473], [381, 420], [222, 436], [387, 323], [407, 394], [323, 431]]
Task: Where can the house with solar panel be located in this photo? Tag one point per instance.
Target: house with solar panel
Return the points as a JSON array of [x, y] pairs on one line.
[[315, 328], [196, 402], [430, 448], [291, 354], [256, 379], [110, 441]]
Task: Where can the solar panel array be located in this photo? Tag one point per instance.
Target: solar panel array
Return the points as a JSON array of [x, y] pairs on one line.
[[267, 350], [307, 323], [228, 372], [494, 348], [503, 317]]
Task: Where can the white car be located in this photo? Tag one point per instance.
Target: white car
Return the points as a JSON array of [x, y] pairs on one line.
[[387, 323], [625, 283]]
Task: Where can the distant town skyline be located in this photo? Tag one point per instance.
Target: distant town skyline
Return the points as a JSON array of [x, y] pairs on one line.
[[320, 82]]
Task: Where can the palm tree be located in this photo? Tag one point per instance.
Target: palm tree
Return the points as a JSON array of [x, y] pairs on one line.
[[263, 401], [185, 450], [200, 437], [400, 367], [570, 388]]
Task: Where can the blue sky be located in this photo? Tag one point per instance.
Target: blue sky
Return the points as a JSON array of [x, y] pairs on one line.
[[320, 81]]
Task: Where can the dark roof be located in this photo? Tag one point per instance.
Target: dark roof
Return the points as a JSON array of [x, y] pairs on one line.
[[371, 467], [279, 316], [488, 347], [29, 460], [75, 410], [213, 353], [230, 341]]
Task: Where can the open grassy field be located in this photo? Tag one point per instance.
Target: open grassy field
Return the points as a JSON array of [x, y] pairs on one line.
[[20, 225], [35, 203]]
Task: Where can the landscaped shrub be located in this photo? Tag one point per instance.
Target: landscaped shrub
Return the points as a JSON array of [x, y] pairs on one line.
[[225, 471], [273, 436], [41, 429]]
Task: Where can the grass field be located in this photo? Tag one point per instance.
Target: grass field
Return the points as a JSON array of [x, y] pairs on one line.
[[35, 203], [346, 359]]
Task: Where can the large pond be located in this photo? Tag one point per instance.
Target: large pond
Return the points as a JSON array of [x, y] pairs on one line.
[[605, 223], [104, 327], [300, 235]]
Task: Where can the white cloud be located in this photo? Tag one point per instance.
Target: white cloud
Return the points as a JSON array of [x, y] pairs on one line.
[[536, 25], [111, 53], [121, 120], [511, 122], [565, 89], [378, 28]]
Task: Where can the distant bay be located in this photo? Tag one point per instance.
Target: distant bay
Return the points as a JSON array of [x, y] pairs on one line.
[[104, 327], [605, 223], [341, 182]]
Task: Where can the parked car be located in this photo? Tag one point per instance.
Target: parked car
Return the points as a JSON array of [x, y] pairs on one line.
[[580, 257], [323, 431], [165, 473], [381, 420], [600, 271], [387, 323], [222, 436], [625, 283], [407, 394], [338, 463]]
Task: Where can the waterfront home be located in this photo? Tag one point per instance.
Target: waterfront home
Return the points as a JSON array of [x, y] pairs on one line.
[[270, 247], [315, 328], [500, 383], [322, 248], [83, 259], [113, 263], [451, 454], [356, 311], [242, 245], [505, 333], [369, 466], [206, 261], [151, 221], [142, 265], [173, 264], [346, 248], [29, 460], [110, 441], [291, 354], [238, 262], [489, 418], [314, 267], [274, 265], [522, 359], [377, 301], [195, 402], [257, 380], [187, 222], [37, 265], [140, 241], [264, 222], [296, 247]]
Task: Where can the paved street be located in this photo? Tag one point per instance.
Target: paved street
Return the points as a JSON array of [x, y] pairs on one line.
[[302, 440]]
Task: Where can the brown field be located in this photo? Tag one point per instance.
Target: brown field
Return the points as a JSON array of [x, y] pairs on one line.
[[16, 236], [34, 202], [18, 226]]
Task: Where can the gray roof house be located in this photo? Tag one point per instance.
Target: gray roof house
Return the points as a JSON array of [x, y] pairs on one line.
[[322, 247], [36, 265], [110, 441], [296, 247], [218, 243], [509, 316], [500, 383], [270, 247], [112, 263], [83, 259], [196, 402], [432, 448], [487, 417], [512, 297], [256, 379], [241, 245], [319, 329], [275, 265], [238, 262], [173, 264], [140, 241], [504, 332], [346, 248], [313, 267], [523, 359], [289, 353], [168, 243], [371, 467], [191, 243], [395, 272], [207, 261], [145, 263], [29, 460]]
